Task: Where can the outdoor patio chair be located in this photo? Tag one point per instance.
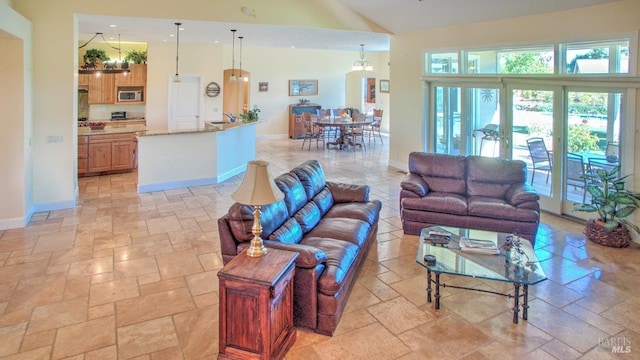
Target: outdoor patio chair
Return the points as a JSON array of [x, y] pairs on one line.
[[540, 157], [576, 173]]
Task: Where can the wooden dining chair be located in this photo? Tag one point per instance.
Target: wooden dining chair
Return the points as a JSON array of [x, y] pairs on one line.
[[330, 132], [357, 131], [311, 131]]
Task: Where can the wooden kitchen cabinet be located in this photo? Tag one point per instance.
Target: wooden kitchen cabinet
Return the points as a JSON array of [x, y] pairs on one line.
[[256, 306], [83, 79], [296, 129], [137, 76], [102, 89], [83, 155], [106, 153]]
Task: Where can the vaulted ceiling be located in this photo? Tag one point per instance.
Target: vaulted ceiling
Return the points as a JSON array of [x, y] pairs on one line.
[[397, 16]]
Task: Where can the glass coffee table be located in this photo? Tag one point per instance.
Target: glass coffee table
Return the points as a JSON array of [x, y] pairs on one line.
[[450, 260]]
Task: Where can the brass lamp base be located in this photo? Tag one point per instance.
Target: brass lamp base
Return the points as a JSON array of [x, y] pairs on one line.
[[256, 248]]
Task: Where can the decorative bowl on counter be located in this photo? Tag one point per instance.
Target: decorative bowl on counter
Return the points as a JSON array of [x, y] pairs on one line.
[[99, 125]]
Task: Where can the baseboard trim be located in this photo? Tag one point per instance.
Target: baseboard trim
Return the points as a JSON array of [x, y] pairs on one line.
[[231, 173], [14, 223], [399, 166]]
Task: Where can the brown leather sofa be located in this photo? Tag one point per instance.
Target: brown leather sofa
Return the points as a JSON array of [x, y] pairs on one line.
[[330, 225], [469, 192]]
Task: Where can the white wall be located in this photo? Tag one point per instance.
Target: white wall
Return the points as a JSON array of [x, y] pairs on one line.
[[15, 107]]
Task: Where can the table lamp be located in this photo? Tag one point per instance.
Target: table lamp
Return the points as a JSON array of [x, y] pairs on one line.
[[257, 188]]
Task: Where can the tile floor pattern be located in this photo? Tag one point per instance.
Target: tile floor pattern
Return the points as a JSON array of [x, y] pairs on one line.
[[133, 276]]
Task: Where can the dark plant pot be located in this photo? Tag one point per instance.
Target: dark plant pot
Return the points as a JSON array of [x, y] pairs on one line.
[[618, 238]]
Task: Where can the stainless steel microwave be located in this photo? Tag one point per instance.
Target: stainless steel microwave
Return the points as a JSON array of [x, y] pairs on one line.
[[129, 95]]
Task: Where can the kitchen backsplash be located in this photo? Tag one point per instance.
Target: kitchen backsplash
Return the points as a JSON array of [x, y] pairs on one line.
[[103, 112]]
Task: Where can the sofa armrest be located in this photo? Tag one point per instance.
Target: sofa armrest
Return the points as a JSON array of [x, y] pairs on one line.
[[308, 256], [415, 184], [343, 193], [228, 242], [519, 194]]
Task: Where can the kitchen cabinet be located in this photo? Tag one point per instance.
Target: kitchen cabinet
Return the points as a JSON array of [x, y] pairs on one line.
[[83, 79], [83, 155], [102, 89], [106, 153], [137, 76]]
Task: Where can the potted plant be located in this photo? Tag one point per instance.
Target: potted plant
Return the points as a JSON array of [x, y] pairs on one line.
[[93, 55], [612, 203], [250, 116], [136, 57]]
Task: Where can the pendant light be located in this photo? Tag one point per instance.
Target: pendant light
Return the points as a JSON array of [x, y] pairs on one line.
[[176, 78], [243, 78], [362, 64], [233, 57]]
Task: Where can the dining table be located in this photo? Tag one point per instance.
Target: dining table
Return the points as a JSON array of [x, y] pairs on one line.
[[344, 124]]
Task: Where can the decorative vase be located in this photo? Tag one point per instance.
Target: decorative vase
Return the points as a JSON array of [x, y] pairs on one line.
[[618, 238]]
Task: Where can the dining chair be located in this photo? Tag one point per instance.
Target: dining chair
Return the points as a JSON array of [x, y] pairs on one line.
[[311, 131], [613, 150], [539, 157], [357, 131], [373, 130], [576, 175], [330, 132]]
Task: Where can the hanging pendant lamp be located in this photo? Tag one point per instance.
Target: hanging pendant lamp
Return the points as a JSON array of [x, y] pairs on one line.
[[177, 77], [362, 64], [233, 57], [242, 77]]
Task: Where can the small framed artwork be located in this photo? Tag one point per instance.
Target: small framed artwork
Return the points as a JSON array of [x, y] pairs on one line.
[[384, 86], [263, 86], [303, 87]]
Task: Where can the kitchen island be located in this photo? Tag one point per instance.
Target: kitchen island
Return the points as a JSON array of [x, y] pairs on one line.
[[107, 151], [177, 159]]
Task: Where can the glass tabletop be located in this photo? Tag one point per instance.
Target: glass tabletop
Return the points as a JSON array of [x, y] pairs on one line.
[[451, 260]]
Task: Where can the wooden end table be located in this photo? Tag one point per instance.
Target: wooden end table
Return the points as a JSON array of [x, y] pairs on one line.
[[256, 306]]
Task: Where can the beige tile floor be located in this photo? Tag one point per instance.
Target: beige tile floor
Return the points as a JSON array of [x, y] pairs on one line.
[[133, 276]]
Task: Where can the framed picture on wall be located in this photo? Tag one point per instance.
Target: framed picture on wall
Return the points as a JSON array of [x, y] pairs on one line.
[[303, 87], [263, 86], [384, 86]]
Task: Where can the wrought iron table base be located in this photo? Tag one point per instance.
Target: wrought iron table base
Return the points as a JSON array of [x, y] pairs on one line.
[[516, 295]]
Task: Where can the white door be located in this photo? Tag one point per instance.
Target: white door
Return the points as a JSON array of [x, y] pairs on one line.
[[185, 103]]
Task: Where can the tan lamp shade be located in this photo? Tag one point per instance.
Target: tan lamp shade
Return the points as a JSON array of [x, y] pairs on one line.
[[258, 187]]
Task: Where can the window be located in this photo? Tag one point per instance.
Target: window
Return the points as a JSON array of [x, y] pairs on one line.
[[598, 58], [443, 63]]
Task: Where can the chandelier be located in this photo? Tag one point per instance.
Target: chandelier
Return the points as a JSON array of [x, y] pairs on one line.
[[92, 55], [362, 64]]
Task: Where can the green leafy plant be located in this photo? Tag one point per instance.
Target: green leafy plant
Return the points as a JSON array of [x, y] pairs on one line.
[[136, 57], [93, 55], [581, 139], [610, 200], [250, 116]]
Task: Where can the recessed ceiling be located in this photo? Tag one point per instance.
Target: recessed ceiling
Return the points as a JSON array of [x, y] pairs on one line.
[[397, 16]]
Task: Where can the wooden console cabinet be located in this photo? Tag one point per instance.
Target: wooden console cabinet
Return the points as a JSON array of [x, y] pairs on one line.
[[296, 130], [256, 306]]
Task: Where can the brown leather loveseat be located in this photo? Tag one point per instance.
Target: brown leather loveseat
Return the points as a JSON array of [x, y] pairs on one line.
[[469, 192], [330, 225]]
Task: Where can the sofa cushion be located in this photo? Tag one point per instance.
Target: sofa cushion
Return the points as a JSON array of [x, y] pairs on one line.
[[241, 219], [289, 233], [311, 176], [368, 211], [493, 177], [441, 202], [340, 256], [348, 192], [441, 173], [308, 217], [350, 230], [324, 200], [295, 196], [494, 208]]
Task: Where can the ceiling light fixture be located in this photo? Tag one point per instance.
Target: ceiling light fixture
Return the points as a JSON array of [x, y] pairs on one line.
[[232, 78], [176, 79], [362, 64], [91, 67]]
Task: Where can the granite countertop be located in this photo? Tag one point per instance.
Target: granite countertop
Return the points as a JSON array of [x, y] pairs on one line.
[[208, 127], [85, 130]]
